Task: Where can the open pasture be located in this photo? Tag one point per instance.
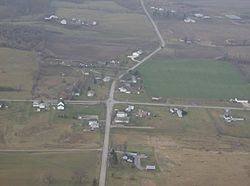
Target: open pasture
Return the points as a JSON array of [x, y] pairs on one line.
[[201, 79], [43, 169], [17, 69], [22, 127]]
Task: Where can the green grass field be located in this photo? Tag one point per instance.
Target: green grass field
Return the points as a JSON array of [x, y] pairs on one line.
[[17, 68], [27, 169], [201, 79], [197, 122]]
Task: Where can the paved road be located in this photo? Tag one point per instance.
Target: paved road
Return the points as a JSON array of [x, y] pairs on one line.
[[154, 25], [105, 151], [110, 101], [181, 105]]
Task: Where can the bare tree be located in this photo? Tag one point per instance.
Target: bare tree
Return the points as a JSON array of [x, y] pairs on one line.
[[95, 182], [78, 176]]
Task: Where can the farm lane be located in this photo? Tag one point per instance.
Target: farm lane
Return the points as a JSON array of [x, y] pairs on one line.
[[50, 150]]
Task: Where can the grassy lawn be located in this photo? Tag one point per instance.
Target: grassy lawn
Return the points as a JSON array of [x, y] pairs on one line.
[[16, 70], [28, 169], [22, 127], [201, 79]]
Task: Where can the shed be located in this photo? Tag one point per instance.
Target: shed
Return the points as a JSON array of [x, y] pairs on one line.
[[150, 167], [179, 113]]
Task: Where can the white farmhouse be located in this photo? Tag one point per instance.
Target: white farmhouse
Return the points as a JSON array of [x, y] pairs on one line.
[[189, 20], [91, 93], [93, 124], [60, 105]]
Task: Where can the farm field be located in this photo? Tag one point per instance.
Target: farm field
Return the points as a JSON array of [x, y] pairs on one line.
[[201, 79], [17, 68], [195, 122], [22, 127], [112, 18], [118, 30], [184, 154], [49, 168], [205, 38]]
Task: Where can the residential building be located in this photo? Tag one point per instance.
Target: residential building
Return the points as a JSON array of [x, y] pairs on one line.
[[91, 93], [60, 105], [93, 124]]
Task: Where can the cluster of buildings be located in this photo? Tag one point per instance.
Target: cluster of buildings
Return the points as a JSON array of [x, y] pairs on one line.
[[176, 111], [129, 157], [3, 105], [189, 20], [73, 21], [124, 90], [230, 119], [245, 102], [93, 124], [135, 54], [201, 16], [142, 113], [123, 116], [106, 79], [197, 16], [135, 158], [162, 10], [131, 84], [236, 100], [41, 105]]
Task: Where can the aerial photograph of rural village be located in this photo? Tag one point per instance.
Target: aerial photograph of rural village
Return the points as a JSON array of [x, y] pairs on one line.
[[124, 92]]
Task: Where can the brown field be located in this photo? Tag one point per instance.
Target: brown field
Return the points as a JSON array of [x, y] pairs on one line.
[[199, 149], [191, 161]]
